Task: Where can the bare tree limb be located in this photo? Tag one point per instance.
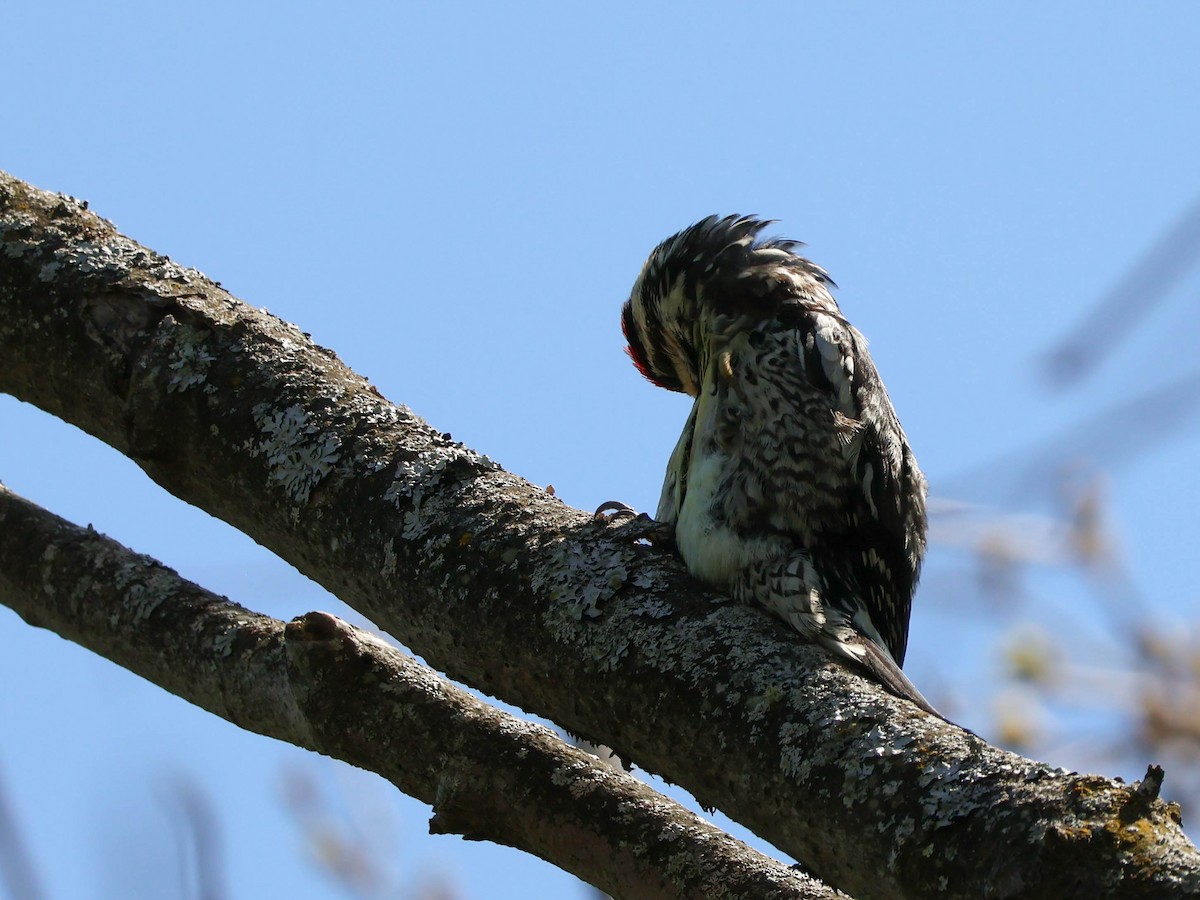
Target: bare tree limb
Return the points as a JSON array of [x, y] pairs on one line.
[[505, 588], [322, 684]]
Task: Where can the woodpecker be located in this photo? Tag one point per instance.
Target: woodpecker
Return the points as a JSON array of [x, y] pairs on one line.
[[793, 486]]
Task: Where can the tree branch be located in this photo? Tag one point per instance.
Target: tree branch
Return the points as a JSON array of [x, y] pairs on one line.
[[507, 589], [322, 684]]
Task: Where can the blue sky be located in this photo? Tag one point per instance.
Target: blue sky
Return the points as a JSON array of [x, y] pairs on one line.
[[457, 200]]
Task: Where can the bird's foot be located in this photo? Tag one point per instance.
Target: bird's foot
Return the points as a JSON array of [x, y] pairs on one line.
[[632, 524], [614, 511]]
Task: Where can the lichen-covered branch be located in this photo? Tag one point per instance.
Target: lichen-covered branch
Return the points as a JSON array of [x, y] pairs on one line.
[[507, 589], [322, 684]]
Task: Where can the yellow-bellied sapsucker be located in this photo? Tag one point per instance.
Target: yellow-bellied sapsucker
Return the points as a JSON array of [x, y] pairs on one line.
[[793, 485]]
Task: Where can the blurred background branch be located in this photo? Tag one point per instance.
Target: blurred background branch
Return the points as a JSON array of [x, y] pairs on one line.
[[1110, 677]]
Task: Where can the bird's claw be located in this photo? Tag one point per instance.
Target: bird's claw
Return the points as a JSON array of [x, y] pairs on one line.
[[633, 524], [614, 511]]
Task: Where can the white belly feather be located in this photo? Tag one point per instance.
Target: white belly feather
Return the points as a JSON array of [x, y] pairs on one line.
[[712, 551]]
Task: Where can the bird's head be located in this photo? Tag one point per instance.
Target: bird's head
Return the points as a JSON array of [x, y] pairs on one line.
[[713, 271]]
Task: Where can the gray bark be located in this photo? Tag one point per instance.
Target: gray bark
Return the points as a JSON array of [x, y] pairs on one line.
[[322, 684]]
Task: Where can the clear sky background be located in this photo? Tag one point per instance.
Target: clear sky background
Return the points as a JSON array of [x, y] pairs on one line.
[[457, 200]]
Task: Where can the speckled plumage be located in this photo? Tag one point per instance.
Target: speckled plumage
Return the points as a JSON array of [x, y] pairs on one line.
[[793, 485]]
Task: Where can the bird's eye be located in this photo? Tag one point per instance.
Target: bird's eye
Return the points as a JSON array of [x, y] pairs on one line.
[[756, 338]]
